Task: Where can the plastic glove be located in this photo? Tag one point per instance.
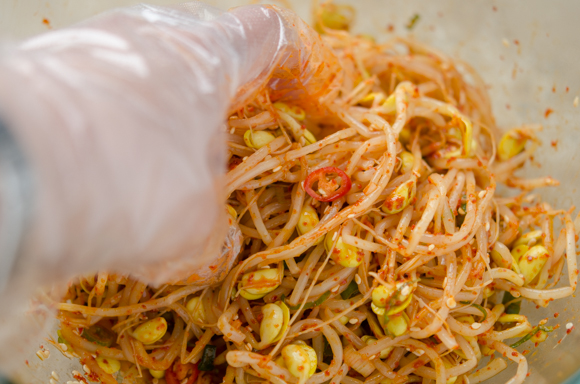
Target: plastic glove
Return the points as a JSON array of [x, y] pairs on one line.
[[114, 156]]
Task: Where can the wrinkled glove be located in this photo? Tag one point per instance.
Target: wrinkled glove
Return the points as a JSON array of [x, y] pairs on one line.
[[111, 147]]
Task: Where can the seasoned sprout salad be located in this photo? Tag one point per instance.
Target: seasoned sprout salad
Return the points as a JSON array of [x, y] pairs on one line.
[[375, 247]]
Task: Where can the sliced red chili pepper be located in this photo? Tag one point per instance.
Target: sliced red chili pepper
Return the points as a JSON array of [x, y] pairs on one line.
[[171, 375], [330, 188]]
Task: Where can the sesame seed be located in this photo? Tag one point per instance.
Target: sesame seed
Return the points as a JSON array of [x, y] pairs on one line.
[[373, 357], [357, 279], [431, 247], [232, 131], [351, 216], [461, 211], [52, 381], [86, 369], [414, 329], [405, 291], [451, 302], [249, 346], [244, 158], [55, 375], [277, 168], [353, 321], [70, 382], [475, 325], [265, 267], [576, 102], [481, 194], [505, 42], [569, 326], [331, 262], [40, 355], [63, 346], [335, 288], [76, 373], [487, 226], [419, 352]]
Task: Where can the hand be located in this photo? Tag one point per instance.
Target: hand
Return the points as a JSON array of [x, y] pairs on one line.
[[119, 119], [115, 137]]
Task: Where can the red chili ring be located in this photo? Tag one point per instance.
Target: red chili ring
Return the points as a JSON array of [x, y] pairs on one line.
[[345, 184]]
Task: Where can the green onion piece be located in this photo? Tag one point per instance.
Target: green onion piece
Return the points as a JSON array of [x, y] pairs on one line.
[[99, 335], [460, 218], [327, 355], [413, 21], [513, 308], [310, 304], [481, 309], [350, 291], [207, 359], [532, 333], [60, 339]]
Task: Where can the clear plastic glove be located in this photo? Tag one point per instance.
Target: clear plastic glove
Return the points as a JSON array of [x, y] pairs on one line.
[[113, 155]]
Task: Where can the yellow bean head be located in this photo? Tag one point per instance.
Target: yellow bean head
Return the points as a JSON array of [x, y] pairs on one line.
[[397, 325], [232, 212], [272, 323], [108, 364], [499, 260], [151, 331], [519, 251], [308, 220], [195, 307], [157, 374], [297, 360], [257, 284], [529, 239], [407, 160], [258, 139], [511, 143], [294, 111], [344, 254], [369, 340], [308, 137], [382, 294], [311, 355], [400, 198], [532, 262]]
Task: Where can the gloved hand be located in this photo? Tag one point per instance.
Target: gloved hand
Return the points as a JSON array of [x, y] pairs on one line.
[[112, 154]]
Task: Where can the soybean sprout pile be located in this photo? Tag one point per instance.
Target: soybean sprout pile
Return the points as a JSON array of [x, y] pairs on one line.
[[375, 248]]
